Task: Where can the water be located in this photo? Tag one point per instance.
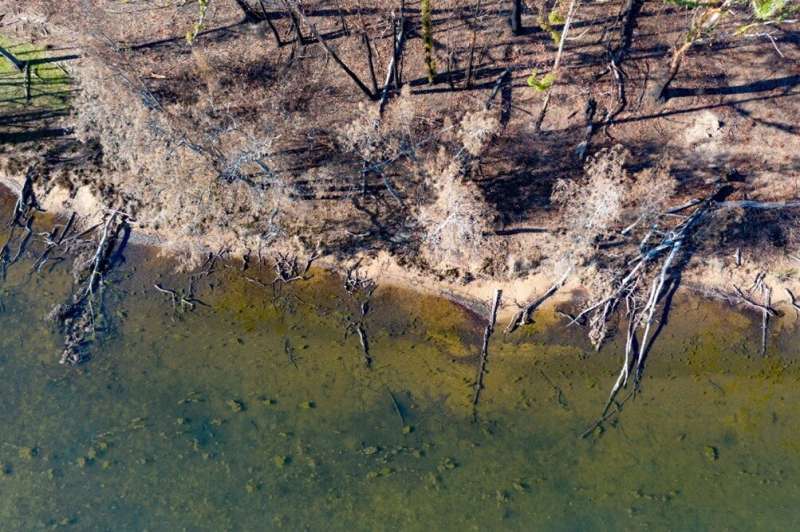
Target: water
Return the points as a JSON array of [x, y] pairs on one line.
[[200, 420]]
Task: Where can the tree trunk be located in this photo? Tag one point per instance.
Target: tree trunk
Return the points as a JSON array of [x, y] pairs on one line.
[[516, 17], [271, 25], [659, 94], [352, 75], [370, 62], [250, 14]]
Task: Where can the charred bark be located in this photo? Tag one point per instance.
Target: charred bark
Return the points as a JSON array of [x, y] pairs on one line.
[[515, 21]]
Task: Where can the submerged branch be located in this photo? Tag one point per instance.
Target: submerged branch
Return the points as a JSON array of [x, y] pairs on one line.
[[523, 317], [487, 333]]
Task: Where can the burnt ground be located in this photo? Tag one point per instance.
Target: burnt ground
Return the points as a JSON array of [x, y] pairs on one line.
[[731, 114]]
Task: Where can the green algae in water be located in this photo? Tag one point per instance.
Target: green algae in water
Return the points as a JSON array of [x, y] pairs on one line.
[[177, 424]]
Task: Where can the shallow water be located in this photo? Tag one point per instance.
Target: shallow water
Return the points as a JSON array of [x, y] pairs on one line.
[[256, 413]]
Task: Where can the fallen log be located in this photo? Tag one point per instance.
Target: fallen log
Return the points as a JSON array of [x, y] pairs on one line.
[[487, 333], [523, 317]]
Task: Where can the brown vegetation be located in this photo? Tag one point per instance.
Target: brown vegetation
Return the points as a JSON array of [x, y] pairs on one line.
[[350, 128]]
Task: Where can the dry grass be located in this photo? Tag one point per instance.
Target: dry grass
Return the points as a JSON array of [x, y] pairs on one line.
[[236, 142]]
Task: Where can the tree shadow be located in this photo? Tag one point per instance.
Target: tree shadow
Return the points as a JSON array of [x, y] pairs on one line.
[[786, 82], [522, 171]]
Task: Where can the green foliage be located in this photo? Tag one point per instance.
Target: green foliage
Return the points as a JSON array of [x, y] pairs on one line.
[[543, 83], [691, 4], [197, 27], [427, 39], [545, 26], [767, 9], [555, 18], [50, 82]]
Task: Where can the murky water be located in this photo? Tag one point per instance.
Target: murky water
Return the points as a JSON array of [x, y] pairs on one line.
[[256, 413]]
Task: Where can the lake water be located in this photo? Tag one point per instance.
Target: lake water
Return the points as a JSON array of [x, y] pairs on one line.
[[256, 412]]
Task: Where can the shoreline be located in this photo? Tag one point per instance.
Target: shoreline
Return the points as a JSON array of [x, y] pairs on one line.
[[383, 269], [710, 280]]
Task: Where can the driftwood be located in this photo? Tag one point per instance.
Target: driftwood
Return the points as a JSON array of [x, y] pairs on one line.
[[749, 301], [667, 254], [185, 299], [360, 288], [77, 318], [21, 217], [523, 317], [288, 348], [26, 200], [559, 397], [362, 337], [487, 333], [52, 240], [767, 295], [24, 242], [288, 269], [397, 408]]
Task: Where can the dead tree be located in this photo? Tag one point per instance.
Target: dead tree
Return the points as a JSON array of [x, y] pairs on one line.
[[332, 53], [642, 285], [392, 74], [537, 126], [278, 41], [704, 22], [360, 288], [77, 319], [524, 316], [487, 333], [515, 21], [250, 14]]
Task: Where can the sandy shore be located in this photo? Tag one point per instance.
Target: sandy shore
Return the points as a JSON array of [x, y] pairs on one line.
[[707, 276]]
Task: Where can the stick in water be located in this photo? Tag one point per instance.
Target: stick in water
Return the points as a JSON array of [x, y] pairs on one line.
[[487, 333]]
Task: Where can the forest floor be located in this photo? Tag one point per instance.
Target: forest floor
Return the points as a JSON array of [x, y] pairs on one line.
[[731, 116]]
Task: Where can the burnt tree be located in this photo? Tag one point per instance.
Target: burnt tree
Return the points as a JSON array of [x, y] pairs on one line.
[[515, 20]]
